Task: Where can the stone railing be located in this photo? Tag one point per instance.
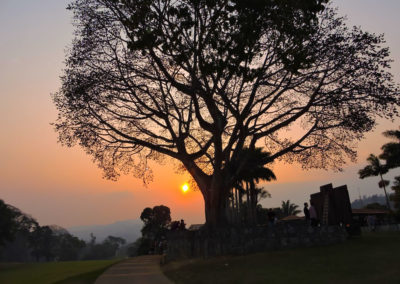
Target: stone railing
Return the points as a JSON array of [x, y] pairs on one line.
[[239, 240]]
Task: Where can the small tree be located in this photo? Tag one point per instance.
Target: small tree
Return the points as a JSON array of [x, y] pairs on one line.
[[156, 222]]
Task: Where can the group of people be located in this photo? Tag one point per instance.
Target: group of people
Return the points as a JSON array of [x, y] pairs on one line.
[[178, 226], [310, 214]]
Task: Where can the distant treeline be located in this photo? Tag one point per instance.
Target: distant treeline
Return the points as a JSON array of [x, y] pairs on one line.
[[22, 239], [365, 200]]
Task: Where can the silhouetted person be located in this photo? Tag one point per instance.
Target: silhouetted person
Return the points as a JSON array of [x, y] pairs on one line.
[[271, 217], [175, 225], [182, 225], [313, 215], [371, 220], [306, 212]]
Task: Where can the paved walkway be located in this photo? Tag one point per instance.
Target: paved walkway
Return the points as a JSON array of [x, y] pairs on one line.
[[142, 269]]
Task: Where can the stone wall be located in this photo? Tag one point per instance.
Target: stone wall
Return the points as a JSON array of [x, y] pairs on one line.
[[239, 240], [382, 228]]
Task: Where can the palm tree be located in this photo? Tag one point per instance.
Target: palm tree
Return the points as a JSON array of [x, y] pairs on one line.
[[375, 168], [252, 171], [391, 150], [289, 208]]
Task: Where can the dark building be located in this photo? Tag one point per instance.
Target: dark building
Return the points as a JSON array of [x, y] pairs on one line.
[[332, 205]]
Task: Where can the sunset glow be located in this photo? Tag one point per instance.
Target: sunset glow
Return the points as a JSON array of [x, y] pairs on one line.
[[185, 187]]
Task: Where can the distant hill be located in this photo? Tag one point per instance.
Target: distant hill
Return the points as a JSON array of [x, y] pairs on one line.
[[127, 229]]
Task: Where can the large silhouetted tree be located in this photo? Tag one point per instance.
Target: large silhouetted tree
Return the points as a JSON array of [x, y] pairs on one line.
[[200, 80]]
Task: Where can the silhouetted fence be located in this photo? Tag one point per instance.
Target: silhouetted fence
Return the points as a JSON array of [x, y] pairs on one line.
[[236, 240]]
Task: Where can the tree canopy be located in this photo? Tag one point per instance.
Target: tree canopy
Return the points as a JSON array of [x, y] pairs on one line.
[[156, 221], [200, 80]]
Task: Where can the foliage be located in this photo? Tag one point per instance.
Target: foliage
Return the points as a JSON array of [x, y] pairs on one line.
[[8, 224], [199, 81], [18, 227], [362, 201], [374, 168], [289, 208], [156, 221], [250, 173], [68, 247], [26, 240], [391, 150], [253, 169], [375, 206], [42, 240], [13, 221], [383, 183], [104, 250], [141, 246]]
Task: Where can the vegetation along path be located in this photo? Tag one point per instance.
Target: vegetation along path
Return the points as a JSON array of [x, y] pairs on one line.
[[141, 269]]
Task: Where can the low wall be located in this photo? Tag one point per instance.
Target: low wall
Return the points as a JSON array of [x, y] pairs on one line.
[[239, 240], [382, 228]]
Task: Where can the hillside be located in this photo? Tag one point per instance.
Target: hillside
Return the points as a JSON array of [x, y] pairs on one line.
[[127, 229]]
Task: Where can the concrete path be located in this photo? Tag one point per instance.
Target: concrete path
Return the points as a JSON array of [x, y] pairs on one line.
[[142, 269]]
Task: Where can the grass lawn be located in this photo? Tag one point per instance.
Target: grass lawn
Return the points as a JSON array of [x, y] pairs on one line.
[[53, 272], [372, 258]]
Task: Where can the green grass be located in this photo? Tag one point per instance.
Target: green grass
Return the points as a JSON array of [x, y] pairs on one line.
[[53, 272], [372, 258]]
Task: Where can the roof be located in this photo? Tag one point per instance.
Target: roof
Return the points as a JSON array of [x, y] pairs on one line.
[[369, 211], [291, 218], [195, 227]]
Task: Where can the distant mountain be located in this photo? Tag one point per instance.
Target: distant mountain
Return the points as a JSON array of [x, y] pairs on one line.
[[127, 229]]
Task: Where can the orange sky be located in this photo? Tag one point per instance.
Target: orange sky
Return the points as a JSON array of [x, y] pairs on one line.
[[62, 186]]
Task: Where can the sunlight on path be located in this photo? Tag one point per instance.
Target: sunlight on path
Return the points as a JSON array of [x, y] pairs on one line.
[[141, 269]]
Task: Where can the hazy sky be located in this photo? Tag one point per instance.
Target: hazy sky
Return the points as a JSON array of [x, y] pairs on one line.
[[62, 186]]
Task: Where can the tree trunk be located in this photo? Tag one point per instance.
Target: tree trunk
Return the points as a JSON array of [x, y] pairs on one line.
[[253, 200], [215, 207], [384, 188], [215, 194]]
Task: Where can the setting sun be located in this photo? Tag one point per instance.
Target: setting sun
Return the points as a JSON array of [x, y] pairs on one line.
[[185, 187]]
